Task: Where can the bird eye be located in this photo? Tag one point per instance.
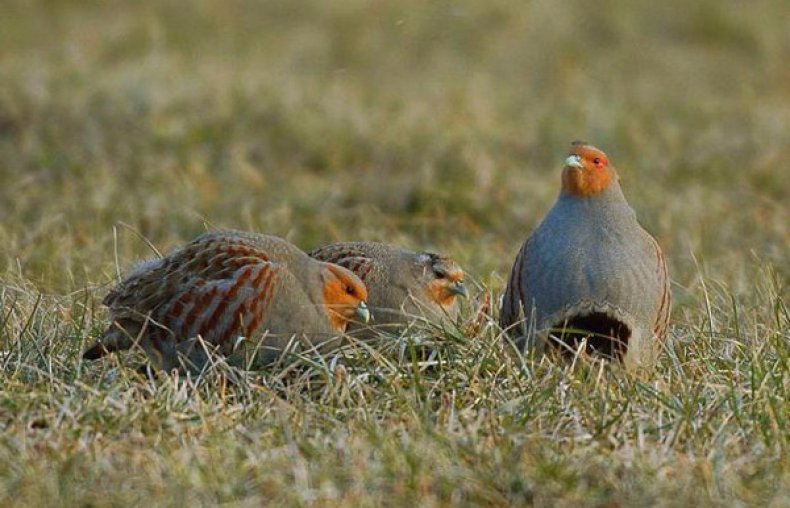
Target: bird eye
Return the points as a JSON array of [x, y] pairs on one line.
[[350, 290], [597, 161], [440, 274]]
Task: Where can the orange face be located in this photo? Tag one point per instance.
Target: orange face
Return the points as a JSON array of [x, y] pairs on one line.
[[447, 283], [587, 171], [445, 279], [344, 297]]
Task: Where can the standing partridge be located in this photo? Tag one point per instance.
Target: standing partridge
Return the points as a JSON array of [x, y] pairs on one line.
[[225, 286], [589, 270], [401, 284]]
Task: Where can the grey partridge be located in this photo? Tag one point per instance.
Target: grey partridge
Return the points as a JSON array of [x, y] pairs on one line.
[[401, 284], [226, 286], [590, 271]]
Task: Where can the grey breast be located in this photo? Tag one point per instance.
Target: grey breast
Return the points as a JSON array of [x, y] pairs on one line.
[[590, 250]]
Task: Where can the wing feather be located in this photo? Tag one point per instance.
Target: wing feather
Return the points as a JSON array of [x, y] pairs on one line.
[[665, 303], [347, 256], [512, 301], [214, 286]]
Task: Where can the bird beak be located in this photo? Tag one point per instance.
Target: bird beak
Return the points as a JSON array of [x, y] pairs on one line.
[[362, 313], [458, 288], [574, 161]]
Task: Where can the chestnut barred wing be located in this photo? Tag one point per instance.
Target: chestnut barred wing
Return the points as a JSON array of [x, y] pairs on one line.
[[346, 256], [221, 309]]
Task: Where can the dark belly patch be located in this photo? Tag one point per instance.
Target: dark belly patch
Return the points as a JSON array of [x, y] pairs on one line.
[[606, 336]]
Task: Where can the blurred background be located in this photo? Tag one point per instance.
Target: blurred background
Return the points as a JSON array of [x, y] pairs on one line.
[[436, 125]]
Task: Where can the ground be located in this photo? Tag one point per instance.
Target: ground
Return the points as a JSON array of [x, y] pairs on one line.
[[438, 125]]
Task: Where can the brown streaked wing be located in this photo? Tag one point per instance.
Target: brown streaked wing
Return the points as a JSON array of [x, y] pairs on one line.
[[218, 310], [202, 260], [336, 252], [347, 257]]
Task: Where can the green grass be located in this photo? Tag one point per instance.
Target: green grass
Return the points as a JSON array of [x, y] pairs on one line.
[[429, 124]]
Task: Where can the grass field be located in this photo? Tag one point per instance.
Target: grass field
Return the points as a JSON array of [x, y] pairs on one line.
[[435, 125]]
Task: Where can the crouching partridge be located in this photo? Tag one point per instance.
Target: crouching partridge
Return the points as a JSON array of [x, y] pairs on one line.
[[224, 287], [589, 271], [401, 284]]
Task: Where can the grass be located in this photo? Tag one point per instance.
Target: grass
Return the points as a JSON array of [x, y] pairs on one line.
[[432, 125]]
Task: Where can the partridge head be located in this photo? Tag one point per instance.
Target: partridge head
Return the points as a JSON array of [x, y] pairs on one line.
[[344, 296], [587, 171]]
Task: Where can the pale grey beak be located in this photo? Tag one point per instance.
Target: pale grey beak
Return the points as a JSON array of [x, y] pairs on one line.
[[362, 313], [574, 161], [458, 288]]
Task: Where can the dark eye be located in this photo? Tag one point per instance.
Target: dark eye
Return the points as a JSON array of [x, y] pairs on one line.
[[350, 290], [440, 274], [597, 161]]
